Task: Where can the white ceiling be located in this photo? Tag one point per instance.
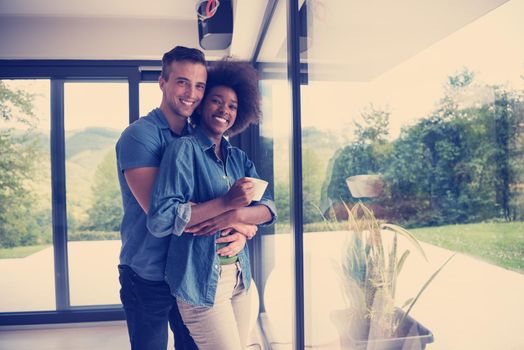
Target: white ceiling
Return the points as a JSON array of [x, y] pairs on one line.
[[166, 9], [361, 39], [115, 29]]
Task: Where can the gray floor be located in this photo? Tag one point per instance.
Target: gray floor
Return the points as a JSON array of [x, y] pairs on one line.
[[79, 336], [86, 336]]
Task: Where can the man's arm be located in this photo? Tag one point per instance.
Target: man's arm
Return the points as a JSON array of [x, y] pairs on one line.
[[233, 219], [140, 182], [170, 210]]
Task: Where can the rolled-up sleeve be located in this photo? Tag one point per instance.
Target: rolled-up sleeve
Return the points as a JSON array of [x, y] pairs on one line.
[[266, 199], [170, 210]]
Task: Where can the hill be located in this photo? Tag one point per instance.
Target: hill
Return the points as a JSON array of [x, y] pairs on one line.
[[90, 139]]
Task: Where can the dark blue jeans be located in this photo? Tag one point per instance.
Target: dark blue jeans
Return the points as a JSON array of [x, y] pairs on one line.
[[149, 307]]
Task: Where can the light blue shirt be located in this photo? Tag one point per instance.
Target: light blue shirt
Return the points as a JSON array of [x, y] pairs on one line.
[[142, 144], [191, 171]]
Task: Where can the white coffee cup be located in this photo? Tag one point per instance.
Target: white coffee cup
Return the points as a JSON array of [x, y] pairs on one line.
[[260, 187]]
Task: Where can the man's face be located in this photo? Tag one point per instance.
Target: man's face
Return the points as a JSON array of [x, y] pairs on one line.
[[184, 89]]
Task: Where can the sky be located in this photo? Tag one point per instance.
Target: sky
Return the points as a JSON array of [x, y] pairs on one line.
[[490, 46]]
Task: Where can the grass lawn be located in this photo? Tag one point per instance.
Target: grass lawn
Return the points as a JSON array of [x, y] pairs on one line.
[[20, 252], [499, 243]]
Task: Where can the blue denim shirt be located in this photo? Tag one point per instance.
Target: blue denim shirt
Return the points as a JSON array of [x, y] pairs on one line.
[[191, 171], [142, 144]]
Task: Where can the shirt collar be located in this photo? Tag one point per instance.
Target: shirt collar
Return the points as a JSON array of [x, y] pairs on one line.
[[160, 119], [206, 143]]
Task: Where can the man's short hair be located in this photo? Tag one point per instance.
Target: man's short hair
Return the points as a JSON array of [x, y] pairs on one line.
[[180, 54]]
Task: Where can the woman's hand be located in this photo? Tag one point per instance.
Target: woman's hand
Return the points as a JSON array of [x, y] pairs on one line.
[[249, 231], [240, 194], [238, 242]]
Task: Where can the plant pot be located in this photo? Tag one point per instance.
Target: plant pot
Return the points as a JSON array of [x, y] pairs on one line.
[[365, 186], [413, 335]]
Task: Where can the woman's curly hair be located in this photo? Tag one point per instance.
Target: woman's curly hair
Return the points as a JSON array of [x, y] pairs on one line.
[[241, 77]]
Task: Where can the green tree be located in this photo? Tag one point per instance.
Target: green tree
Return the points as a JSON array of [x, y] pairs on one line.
[[311, 185], [282, 202], [105, 212], [19, 157], [460, 164], [375, 127]]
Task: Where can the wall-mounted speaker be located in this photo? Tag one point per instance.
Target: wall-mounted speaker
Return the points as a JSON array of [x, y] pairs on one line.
[[216, 32]]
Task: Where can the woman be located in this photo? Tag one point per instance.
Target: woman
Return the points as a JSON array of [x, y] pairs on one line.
[[212, 290]]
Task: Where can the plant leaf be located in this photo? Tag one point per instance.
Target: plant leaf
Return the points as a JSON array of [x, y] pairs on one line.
[[406, 303], [402, 231], [401, 261], [422, 290]]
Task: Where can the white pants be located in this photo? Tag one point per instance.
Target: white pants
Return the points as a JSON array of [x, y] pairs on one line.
[[226, 325]]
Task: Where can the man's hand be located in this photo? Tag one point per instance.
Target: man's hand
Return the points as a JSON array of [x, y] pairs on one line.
[[226, 222], [238, 241], [240, 194]]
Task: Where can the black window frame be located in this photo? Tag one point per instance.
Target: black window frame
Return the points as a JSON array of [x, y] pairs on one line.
[[59, 72]]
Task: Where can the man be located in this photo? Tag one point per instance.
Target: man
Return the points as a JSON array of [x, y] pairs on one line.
[[146, 298]]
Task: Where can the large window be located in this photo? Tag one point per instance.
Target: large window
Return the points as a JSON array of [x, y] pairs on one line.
[[427, 114], [60, 203], [95, 114], [274, 248], [26, 251]]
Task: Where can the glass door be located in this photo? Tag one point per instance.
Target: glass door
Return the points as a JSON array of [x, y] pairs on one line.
[[420, 118], [95, 115]]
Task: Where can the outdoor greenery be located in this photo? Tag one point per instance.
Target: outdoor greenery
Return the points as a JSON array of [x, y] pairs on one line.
[[463, 163], [500, 243], [22, 222], [21, 252], [105, 211], [94, 201]]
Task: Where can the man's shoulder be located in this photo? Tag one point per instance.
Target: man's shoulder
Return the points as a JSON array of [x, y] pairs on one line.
[[144, 131]]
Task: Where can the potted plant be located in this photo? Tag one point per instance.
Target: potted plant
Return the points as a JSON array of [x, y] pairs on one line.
[[370, 269]]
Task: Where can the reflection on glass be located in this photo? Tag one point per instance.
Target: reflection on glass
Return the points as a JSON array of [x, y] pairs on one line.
[[95, 115], [273, 264], [26, 253], [436, 114], [150, 97]]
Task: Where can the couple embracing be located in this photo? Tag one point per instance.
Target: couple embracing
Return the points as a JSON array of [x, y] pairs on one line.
[[189, 208]]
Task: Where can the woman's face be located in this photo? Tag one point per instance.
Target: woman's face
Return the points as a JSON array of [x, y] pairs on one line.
[[219, 110]]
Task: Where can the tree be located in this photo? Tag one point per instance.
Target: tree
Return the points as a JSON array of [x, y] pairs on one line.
[[375, 127], [105, 212], [311, 185], [19, 157]]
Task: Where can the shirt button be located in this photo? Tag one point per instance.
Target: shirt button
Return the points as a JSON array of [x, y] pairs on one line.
[[216, 267]]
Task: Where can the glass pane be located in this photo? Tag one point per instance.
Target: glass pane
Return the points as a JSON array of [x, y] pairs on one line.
[[95, 115], [150, 97], [420, 118], [26, 251], [273, 266]]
